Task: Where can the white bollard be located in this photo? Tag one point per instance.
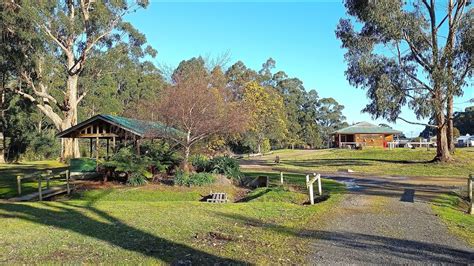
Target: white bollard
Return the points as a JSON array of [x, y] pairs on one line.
[[320, 187], [281, 177], [310, 188]]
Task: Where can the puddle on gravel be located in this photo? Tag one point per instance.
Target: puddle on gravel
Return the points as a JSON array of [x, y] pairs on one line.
[[349, 182]]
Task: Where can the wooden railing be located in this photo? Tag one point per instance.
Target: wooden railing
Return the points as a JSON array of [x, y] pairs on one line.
[[351, 144], [46, 176], [309, 185]]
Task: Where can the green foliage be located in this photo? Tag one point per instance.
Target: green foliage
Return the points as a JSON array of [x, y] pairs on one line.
[[82, 165], [161, 156], [197, 179], [136, 179], [225, 165], [125, 160], [266, 146], [42, 146], [267, 118], [464, 121], [201, 163]]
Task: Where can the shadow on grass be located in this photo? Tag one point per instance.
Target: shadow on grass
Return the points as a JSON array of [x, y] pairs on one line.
[[73, 218], [347, 162], [254, 196], [375, 246]]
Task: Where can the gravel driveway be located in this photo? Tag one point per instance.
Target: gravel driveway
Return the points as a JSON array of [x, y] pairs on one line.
[[384, 223]]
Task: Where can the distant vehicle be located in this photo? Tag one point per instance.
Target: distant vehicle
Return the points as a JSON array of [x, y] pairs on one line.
[[465, 141]]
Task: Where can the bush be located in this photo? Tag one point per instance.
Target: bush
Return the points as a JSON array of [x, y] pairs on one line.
[[162, 157], [42, 146], [200, 163], [226, 166], [82, 165], [125, 160], [197, 179], [136, 180]]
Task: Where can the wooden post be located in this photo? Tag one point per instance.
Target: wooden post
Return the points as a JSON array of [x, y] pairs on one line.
[[90, 147], [107, 148], [310, 189], [67, 182], [18, 182], [113, 145], [339, 135], [281, 177], [469, 191], [40, 189], [320, 187], [48, 175], [97, 149], [137, 143]]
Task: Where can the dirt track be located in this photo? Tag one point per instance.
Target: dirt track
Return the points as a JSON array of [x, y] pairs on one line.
[[386, 224]]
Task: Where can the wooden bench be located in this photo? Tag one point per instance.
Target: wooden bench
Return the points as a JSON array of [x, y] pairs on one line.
[[218, 198]]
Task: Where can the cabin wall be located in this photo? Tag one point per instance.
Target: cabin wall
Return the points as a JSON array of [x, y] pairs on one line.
[[367, 140], [373, 140]]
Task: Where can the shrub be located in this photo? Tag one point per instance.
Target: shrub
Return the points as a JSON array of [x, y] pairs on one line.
[[125, 160], [161, 156], [136, 179], [266, 146], [226, 166], [197, 179], [82, 165], [200, 163], [42, 146]]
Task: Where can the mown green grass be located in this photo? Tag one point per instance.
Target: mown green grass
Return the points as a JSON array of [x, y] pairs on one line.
[[452, 210], [165, 225], [397, 162], [9, 172], [153, 193]]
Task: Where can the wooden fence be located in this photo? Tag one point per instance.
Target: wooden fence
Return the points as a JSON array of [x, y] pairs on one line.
[[309, 185], [45, 176]]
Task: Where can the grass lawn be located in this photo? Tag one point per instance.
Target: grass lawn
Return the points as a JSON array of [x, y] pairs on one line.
[[161, 225], [397, 162], [452, 210], [8, 173]]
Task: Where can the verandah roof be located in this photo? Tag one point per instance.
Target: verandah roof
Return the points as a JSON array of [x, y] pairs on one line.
[[111, 125], [366, 128]]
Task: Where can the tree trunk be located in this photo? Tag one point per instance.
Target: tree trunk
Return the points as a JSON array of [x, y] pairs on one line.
[[2, 147], [442, 149], [70, 146], [2, 127], [187, 152], [185, 163], [450, 123]]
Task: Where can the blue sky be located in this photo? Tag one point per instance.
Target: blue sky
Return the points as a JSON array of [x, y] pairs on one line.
[[298, 35]]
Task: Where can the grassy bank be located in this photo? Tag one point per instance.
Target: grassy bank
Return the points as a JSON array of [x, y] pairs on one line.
[[452, 210], [384, 162], [160, 224]]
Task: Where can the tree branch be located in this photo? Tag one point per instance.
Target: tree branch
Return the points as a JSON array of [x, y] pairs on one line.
[[417, 55], [54, 38], [417, 123], [410, 74]]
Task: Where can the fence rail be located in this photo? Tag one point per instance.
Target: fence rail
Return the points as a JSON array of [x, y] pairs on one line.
[[46, 175]]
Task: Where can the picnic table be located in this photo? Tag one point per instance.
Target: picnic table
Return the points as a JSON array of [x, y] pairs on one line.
[[218, 198]]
